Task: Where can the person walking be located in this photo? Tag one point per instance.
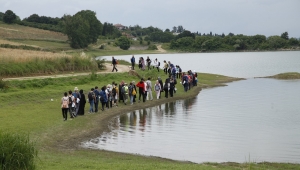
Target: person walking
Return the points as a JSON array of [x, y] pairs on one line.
[[103, 97], [65, 106], [161, 86], [81, 102], [124, 92], [185, 81], [141, 86], [172, 86], [167, 87], [77, 96], [91, 97], [156, 64], [96, 91], [166, 67], [149, 89], [148, 60], [157, 89], [114, 63], [131, 92], [132, 62], [71, 105]]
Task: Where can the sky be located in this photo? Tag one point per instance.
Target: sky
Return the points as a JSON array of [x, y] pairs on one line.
[[248, 17]]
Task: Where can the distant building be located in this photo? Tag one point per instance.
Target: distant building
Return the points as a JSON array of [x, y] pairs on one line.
[[120, 26]]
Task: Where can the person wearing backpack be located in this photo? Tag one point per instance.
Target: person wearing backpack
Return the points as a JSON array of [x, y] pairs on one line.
[[103, 97], [96, 92], [71, 104], [131, 92], [91, 97], [185, 81], [148, 60], [179, 72], [149, 89], [114, 63], [77, 97], [65, 106], [157, 89]]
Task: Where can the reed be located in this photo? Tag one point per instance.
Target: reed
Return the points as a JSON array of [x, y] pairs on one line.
[[24, 62], [16, 152]]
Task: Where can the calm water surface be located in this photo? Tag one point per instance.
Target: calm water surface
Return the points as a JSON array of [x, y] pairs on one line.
[[256, 119], [243, 65]]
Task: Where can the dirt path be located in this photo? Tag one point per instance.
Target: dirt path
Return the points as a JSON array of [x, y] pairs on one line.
[[161, 49], [121, 68]]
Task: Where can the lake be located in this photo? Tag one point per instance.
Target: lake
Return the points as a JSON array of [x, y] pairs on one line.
[[253, 119]]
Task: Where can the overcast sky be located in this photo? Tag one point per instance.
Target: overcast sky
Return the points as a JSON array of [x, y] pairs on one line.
[[248, 17]]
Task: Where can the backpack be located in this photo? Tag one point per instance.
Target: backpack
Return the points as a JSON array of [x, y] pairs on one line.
[[180, 70], [117, 62], [70, 100], [91, 96], [157, 87], [148, 85], [65, 103], [133, 91], [123, 90]]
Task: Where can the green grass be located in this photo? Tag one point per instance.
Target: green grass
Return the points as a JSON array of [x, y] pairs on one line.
[[46, 44], [286, 76], [29, 110]]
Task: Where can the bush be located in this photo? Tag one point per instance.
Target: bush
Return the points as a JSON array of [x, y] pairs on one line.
[[152, 47], [16, 152], [3, 85]]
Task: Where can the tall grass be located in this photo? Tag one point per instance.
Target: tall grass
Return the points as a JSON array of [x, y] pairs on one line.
[[22, 66], [16, 152]]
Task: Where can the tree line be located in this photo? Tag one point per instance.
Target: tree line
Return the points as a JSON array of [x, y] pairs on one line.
[[84, 28]]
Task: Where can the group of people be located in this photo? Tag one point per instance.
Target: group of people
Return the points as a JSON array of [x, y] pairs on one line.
[[112, 94], [142, 63]]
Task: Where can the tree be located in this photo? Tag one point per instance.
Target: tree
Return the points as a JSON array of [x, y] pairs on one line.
[[174, 29], [185, 34], [123, 42], [82, 29], [9, 17], [94, 24], [293, 42], [1, 16], [285, 35], [180, 29], [167, 30], [77, 30], [276, 42]]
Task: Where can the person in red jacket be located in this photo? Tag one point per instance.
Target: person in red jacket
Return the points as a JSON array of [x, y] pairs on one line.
[[141, 86]]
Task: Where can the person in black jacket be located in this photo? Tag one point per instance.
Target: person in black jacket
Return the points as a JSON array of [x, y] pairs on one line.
[[161, 85], [167, 87], [114, 63], [81, 103]]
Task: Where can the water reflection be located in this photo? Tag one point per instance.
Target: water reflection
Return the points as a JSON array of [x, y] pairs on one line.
[[255, 117]]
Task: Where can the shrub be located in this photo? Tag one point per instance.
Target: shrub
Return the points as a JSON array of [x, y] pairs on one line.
[[16, 152], [3, 85], [152, 47]]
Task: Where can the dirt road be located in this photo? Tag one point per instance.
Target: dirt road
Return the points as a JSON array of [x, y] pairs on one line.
[[121, 68]]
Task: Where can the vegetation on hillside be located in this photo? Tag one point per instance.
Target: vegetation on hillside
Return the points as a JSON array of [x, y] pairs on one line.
[[84, 28]]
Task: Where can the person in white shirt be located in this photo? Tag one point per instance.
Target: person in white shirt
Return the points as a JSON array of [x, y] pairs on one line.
[[149, 89]]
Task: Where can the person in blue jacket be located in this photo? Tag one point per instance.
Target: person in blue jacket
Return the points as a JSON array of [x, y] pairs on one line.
[[103, 97], [132, 62]]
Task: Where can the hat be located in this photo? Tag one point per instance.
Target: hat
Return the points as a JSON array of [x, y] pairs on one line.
[[76, 89], [125, 83]]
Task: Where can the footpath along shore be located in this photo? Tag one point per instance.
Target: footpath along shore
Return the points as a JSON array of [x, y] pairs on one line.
[[109, 67]]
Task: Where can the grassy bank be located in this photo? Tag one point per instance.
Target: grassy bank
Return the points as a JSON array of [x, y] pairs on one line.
[[285, 76], [29, 110]]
